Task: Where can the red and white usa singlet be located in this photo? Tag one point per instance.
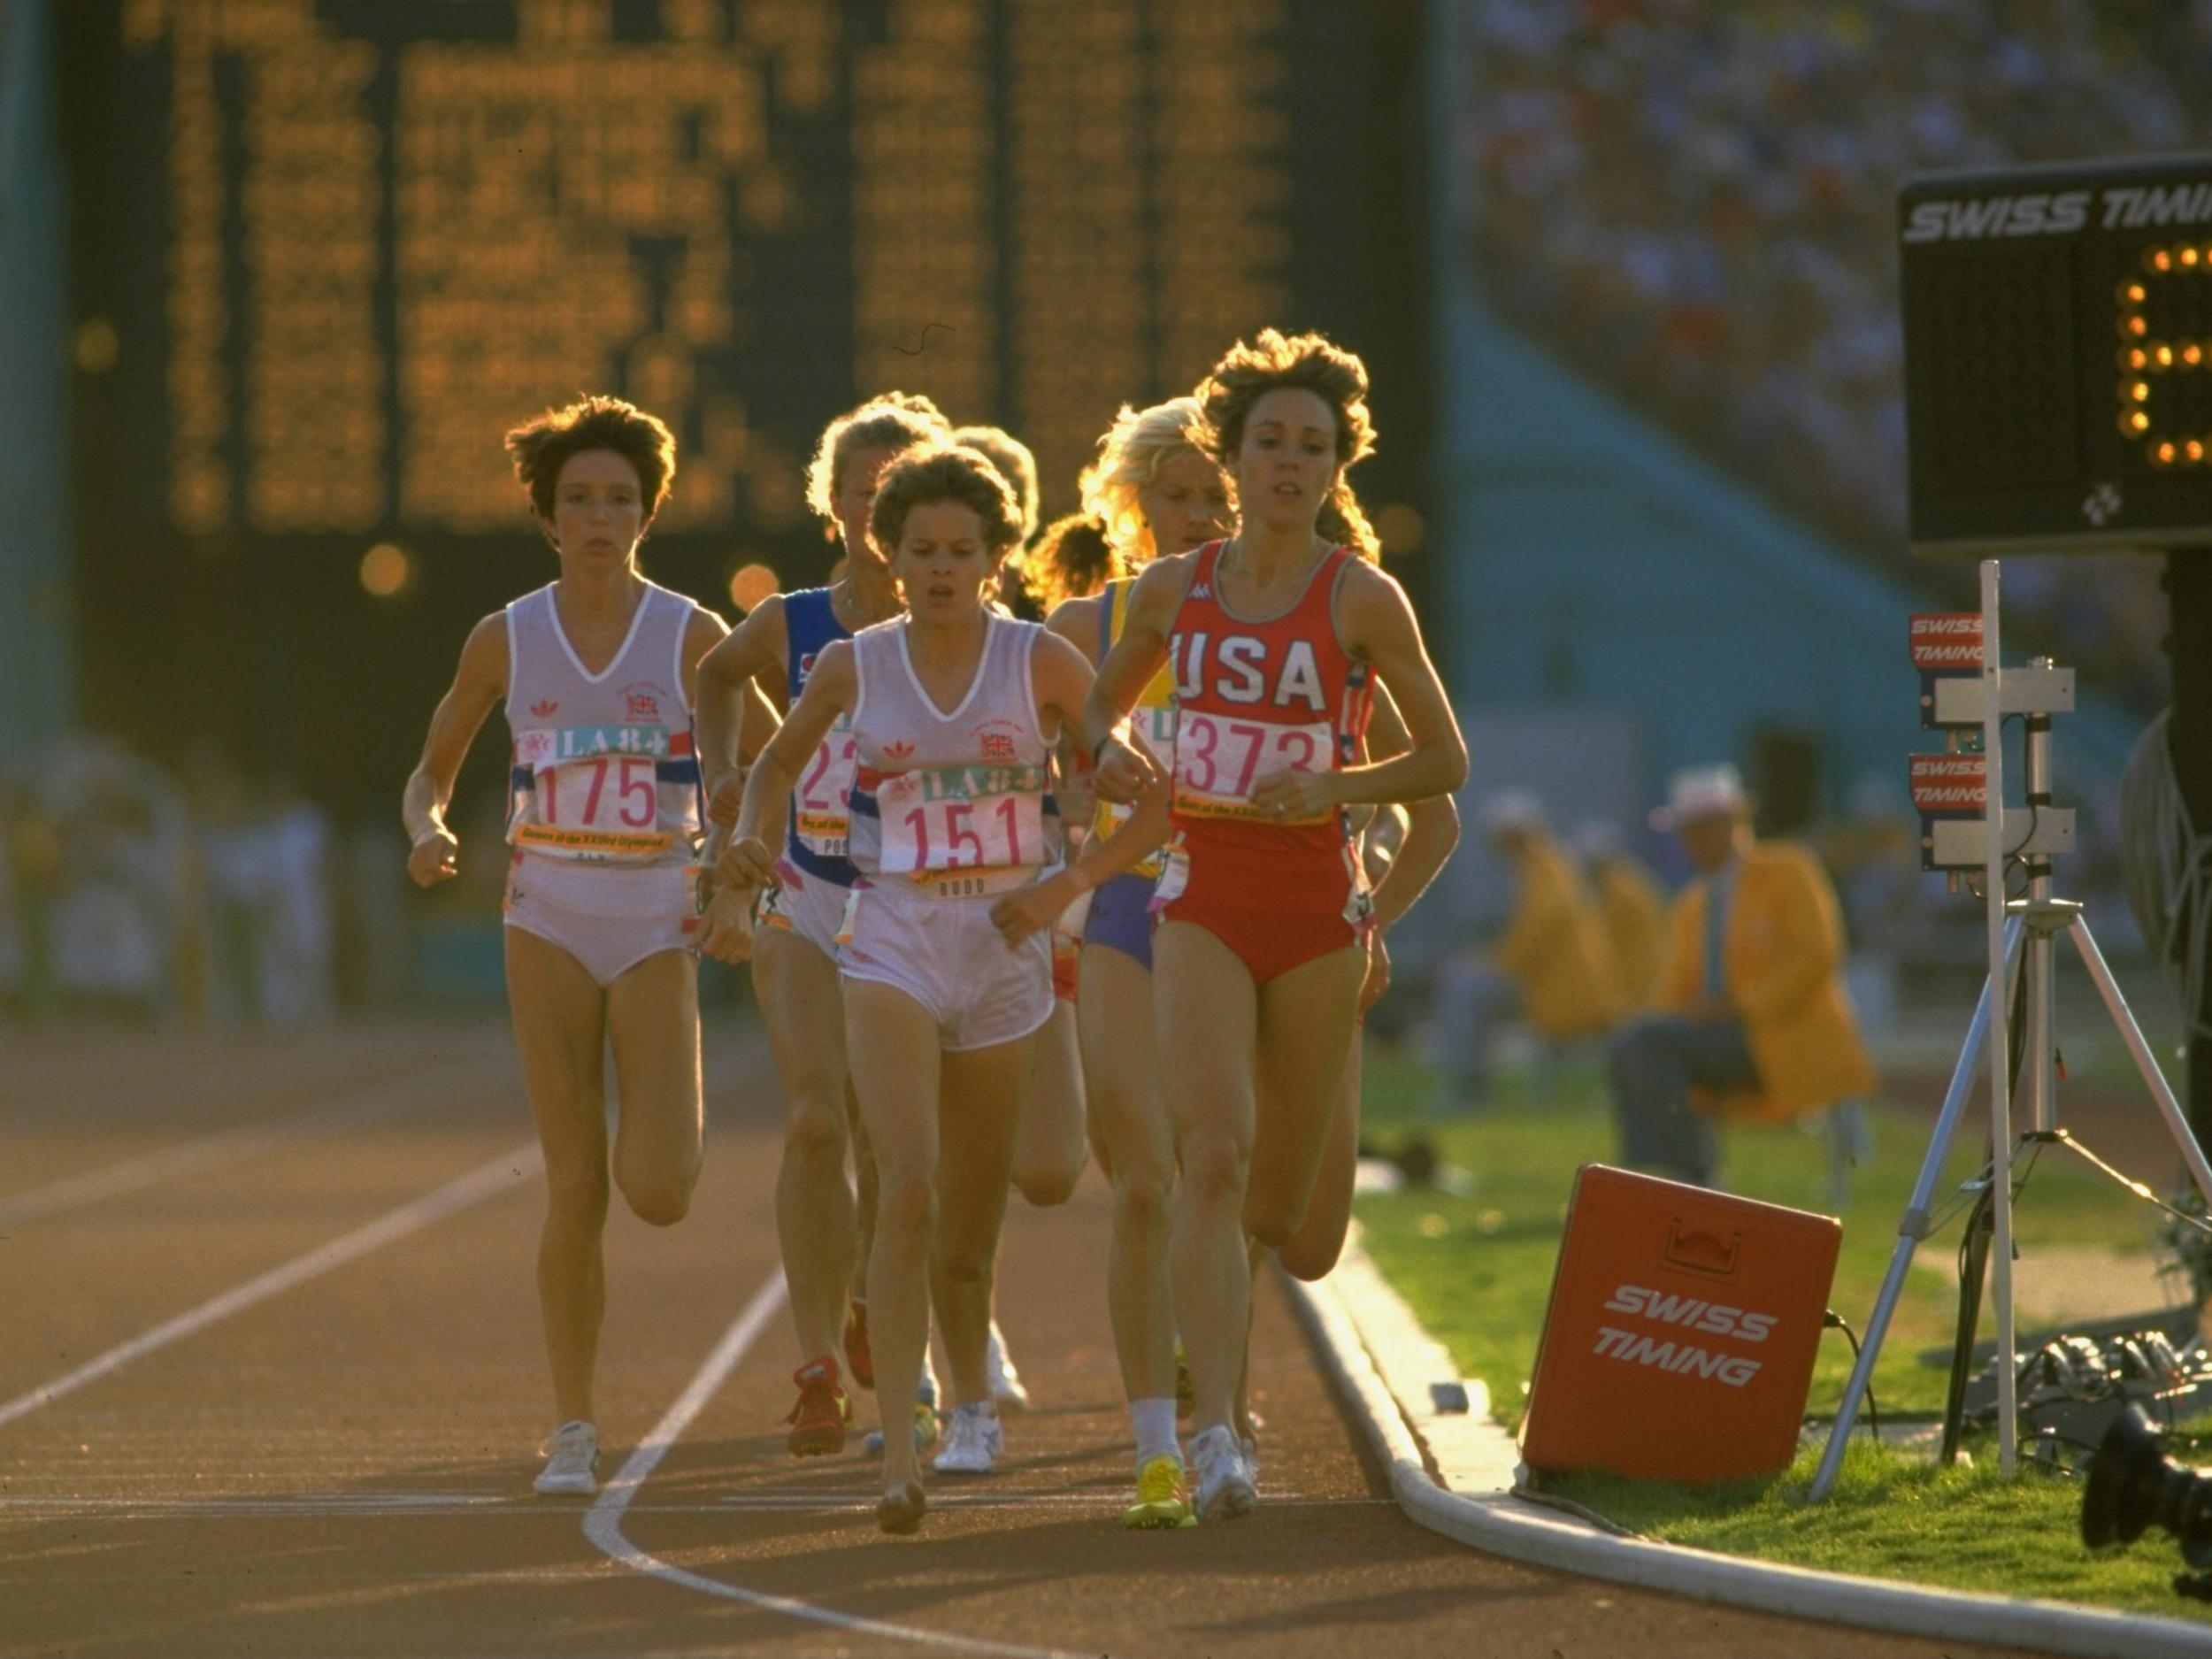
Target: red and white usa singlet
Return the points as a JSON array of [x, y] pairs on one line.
[[1253, 698]]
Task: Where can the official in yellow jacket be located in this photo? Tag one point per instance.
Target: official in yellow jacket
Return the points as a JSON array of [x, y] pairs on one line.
[[1554, 949], [1551, 965], [1633, 910], [1754, 1021]]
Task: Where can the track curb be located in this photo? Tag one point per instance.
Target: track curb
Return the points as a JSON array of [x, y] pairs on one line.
[[1452, 1473]]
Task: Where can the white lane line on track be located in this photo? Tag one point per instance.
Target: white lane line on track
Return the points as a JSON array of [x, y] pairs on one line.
[[486, 1180], [389, 1098], [603, 1523]]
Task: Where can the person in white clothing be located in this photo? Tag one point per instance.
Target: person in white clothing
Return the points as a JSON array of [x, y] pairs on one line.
[[953, 711], [597, 671]]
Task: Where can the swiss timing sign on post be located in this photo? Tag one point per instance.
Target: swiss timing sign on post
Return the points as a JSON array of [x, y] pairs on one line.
[[1949, 639], [1950, 783]]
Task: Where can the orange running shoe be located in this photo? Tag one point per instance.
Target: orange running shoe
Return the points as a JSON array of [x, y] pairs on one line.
[[817, 1422], [858, 1359]]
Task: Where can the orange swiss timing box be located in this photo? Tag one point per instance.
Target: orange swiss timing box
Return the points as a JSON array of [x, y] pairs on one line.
[[1681, 1334]]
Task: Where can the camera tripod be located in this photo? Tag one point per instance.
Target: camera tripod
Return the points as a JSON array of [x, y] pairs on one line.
[[2023, 935]]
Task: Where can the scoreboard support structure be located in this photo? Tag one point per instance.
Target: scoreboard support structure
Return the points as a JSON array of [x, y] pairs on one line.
[[2058, 388]]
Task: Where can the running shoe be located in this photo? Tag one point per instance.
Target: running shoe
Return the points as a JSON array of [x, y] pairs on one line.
[[571, 1454], [1163, 1497], [973, 1440], [925, 1431], [1225, 1488], [858, 1359], [901, 1511], [1185, 1397], [817, 1421], [1006, 1382]]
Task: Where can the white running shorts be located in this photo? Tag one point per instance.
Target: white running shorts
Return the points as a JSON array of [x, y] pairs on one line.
[[806, 907], [608, 917], [947, 956]]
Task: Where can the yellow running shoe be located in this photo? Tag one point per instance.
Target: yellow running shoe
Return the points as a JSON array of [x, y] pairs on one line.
[[1162, 1501]]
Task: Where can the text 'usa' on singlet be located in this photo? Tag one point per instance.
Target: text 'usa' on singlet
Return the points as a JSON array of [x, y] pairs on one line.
[[952, 805], [1151, 723], [1254, 698], [820, 813], [602, 768]]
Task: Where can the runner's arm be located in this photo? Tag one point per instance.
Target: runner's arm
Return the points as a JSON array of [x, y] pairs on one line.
[[831, 690], [1432, 826], [479, 682], [1123, 769], [732, 717]]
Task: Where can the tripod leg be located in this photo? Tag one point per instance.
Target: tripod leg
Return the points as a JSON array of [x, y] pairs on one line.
[[1913, 1226], [2145, 1062]]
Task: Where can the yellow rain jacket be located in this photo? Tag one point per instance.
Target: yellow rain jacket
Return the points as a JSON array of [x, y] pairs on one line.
[[1636, 927], [1554, 947], [1782, 972]]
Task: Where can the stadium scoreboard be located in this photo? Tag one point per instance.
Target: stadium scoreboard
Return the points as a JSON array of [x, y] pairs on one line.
[[2058, 357], [327, 251]]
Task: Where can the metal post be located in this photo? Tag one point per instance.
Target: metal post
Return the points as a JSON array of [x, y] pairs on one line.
[[2041, 1046], [2145, 1062], [1914, 1225], [1998, 1034]]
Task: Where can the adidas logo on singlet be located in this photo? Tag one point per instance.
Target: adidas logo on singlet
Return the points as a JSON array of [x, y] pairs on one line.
[[1201, 590]]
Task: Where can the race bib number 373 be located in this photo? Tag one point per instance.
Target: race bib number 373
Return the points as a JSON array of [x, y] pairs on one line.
[[1220, 761]]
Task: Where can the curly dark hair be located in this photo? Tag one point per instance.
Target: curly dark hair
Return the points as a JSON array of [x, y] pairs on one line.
[[944, 472], [896, 421], [1073, 559], [542, 446], [1272, 361]]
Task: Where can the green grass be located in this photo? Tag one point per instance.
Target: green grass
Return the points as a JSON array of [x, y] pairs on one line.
[[1477, 1265]]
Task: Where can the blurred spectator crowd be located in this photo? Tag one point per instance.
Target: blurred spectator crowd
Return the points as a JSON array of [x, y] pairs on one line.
[[1695, 206], [128, 890]]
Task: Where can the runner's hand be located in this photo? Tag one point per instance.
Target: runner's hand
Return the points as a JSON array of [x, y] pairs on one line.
[[746, 865], [1029, 910], [1377, 980], [1125, 772], [431, 859], [1291, 797], [727, 935]]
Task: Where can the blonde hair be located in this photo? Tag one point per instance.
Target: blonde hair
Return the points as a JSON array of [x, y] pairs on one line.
[[895, 421], [1271, 361], [1139, 443]]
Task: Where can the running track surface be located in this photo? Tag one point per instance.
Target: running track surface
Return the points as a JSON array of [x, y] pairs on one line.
[[271, 1383]]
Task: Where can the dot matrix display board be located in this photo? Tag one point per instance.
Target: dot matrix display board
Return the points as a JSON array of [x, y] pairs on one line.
[[2058, 357], [327, 250]]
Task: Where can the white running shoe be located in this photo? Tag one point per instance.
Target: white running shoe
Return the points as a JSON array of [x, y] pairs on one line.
[[571, 1455], [973, 1440], [1006, 1382], [1222, 1484]]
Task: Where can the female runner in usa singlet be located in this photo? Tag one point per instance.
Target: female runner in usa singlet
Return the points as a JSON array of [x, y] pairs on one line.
[[953, 710], [794, 949], [596, 672], [1272, 638]]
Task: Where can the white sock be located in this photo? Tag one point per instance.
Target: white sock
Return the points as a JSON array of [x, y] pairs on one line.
[[1154, 1421]]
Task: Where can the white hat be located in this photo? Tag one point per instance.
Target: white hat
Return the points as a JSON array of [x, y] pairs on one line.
[[1512, 810], [1699, 792]]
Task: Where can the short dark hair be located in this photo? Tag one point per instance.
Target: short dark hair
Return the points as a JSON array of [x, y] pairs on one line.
[[945, 471], [896, 421], [1015, 462], [542, 446]]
